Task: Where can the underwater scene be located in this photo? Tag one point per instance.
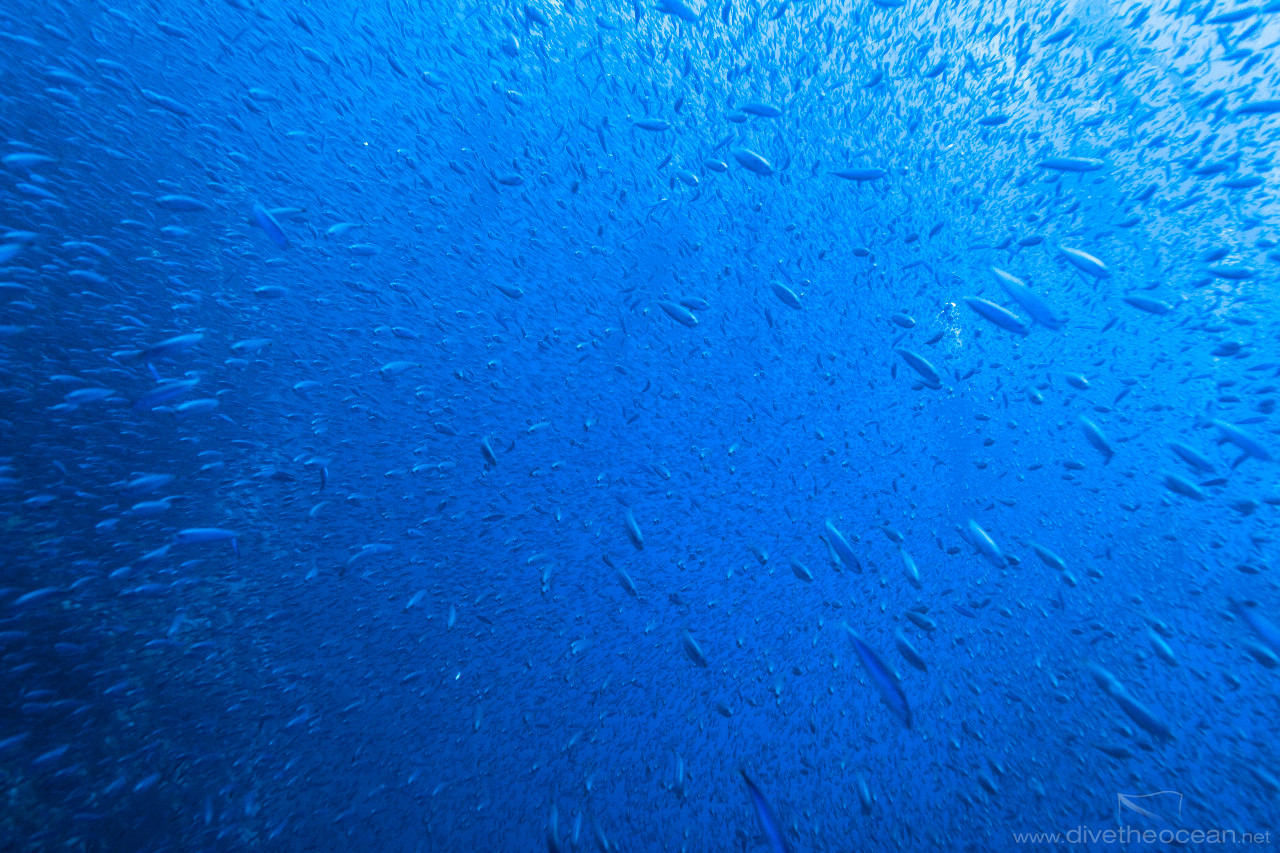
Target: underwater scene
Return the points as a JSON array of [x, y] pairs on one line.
[[646, 425]]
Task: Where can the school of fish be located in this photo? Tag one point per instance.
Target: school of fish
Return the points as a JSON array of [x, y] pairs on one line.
[[661, 426]]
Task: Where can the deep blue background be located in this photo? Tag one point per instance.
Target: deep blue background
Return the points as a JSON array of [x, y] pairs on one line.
[[484, 680]]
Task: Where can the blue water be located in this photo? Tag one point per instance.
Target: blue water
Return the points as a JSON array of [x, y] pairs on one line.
[[578, 426]]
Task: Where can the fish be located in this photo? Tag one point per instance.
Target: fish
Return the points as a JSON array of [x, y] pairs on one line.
[[394, 368], [841, 548], [1072, 164], [1192, 457], [1034, 304], [172, 346], [373, 549], [1262, 107], [909, 652], [1247, 443], [205, 535], [196, 407], [1161, 648], [985, 545], [627, 583], [1233, 272], [1085, 262], [251, 345], [1001, 317], [860, 174], [884, 679], [928, 374], [786, 295], [652, 124], [1243, 182], [340, 228], [774, 834], [1147, 719], [763, 110], [679, 313], [265, 220], [176, 203], [1049, 558], [909, 567], [692, 650], [148, 483], [84, 396], [865, 800], [752, 162], [1098, 439], [1261, 625], [26, 160], [633, 530], [678, 9], [166, 391], [1181, 485], [1149, 305]]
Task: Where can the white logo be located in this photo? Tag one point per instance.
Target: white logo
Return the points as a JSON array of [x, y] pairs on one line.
[[1162, 806]]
